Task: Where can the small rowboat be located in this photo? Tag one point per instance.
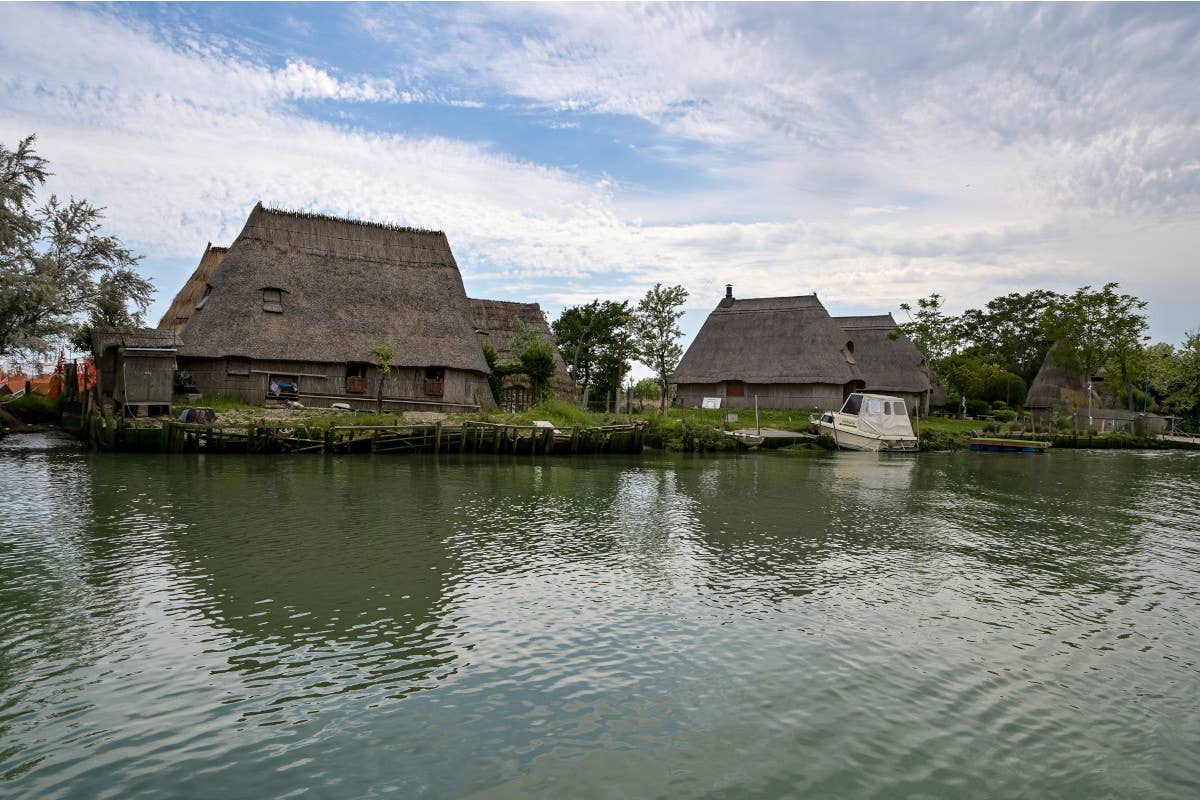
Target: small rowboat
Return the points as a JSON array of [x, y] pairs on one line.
[[987, 445]]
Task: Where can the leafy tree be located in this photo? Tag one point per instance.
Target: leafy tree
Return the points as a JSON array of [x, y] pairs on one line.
[[1174, 375], [595, 342], [537, 363], [933, 332], [1010, 331], [383, 356], [1093, 327], [656, 333], [495, 378], [969, 377], [647, 389], [58, 271]]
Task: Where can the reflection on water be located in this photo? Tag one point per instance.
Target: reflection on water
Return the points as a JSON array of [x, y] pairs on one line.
[[771, 625]]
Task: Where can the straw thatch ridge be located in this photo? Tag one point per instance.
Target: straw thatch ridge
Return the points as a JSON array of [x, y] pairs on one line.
[[887, 364], [768, 340], [345, 285], [493, 322], [366, 223], [185, 301]]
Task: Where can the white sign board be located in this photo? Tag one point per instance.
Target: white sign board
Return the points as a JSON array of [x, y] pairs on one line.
[[711, 402]]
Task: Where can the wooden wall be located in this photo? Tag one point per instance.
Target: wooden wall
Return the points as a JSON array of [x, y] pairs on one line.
[[820, 396], [321, 384]]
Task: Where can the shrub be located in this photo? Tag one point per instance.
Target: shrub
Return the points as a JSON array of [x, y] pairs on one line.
[[1004, 415], [977, 408]]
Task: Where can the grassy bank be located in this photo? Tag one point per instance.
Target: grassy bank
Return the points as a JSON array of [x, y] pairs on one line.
[[34, 408], [693, 430]]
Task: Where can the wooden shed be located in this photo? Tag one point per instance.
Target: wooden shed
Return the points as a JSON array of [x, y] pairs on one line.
[[135, 370]]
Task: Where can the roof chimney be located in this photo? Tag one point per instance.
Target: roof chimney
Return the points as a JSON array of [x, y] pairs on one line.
[[727, 300]]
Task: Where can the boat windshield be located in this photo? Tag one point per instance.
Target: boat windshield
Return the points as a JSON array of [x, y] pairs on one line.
[[853, 404]]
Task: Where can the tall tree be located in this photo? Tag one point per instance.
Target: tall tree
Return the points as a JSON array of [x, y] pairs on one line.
[[656, 333], [58, 270], [934, 333], [1092, 327], [594, 341], [1010, 331]]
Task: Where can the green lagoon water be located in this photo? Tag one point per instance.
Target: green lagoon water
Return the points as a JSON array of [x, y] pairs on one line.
[[762, 626]]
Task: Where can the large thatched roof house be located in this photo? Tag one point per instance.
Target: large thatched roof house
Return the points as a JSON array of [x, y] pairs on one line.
[[176, 317], [888, 365], [296, 305], [494, 324], [786, 350]]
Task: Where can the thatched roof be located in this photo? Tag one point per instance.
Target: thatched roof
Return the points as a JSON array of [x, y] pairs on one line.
[[493, 323], [886, 364], [1055, 387], [183, 304], [344, 285], [768, 340], [104, 338]]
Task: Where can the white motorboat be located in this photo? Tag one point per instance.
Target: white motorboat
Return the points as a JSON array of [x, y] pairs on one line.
[[870, 422]]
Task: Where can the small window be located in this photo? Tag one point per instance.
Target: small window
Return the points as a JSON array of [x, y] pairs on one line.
[[204, 299], [435, 385], [887, 409], [356, 378], [238, 367], [853, 404], [273, 300], [850, 348], [735, 389]]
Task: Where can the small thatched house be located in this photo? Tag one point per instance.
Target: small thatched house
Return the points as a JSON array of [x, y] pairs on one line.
[[494, 324], [177, 315], [135, 370], [887, 365], [1057, 392], [299, 301], [786, 350]]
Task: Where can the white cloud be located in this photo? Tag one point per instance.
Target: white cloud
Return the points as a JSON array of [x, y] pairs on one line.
[[830, 161]]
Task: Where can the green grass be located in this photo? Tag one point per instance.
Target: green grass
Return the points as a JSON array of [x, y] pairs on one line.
[[35, 408], [950, 425]]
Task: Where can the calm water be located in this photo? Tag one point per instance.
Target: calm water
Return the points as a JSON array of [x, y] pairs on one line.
[[764, 626]]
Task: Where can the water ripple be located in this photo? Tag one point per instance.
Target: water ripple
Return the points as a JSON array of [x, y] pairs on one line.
[[740, 627]]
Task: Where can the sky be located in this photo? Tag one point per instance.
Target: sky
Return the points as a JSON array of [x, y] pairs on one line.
[[871, 153]]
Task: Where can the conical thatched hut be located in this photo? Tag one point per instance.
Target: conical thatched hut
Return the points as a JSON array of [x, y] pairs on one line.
[[300, 300], [786, 350], [177, 315], [888, 365], [494, 324]]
